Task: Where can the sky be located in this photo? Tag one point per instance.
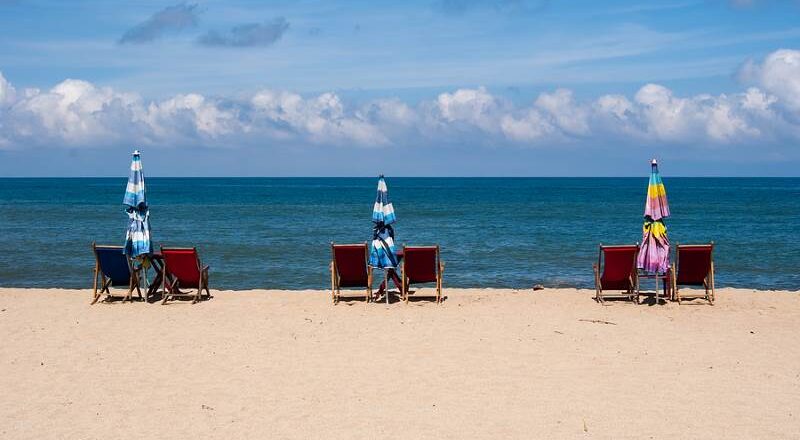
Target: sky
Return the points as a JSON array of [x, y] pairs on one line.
[[413, 88]]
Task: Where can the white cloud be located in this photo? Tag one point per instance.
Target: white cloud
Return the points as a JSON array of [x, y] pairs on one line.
[[468, 107], [703, 117], [779, 75], [528, 126], [188, 116], [564, 112], [78, 113], [7, 93], [72, 112], [322, 119]]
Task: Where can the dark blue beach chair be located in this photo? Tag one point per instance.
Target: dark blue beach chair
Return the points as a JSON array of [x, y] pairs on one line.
[[114, 269]]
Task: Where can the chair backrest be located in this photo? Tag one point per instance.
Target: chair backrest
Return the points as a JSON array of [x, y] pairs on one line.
[[114, 264], [693, 263], [350, 262], [619, 266], [182, 264], [421, 263]]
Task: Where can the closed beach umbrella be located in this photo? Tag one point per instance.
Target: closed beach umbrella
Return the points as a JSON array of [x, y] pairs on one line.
[[654, 253], [137, 238], [382, 251]]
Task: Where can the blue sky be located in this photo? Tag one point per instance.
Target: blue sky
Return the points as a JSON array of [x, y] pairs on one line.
[[439, 87]]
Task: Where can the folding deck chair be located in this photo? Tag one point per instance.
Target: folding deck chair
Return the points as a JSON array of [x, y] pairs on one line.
[[349, 269], [695, 267], [183, 269], [616, 270], [421, 264], [114, 269]]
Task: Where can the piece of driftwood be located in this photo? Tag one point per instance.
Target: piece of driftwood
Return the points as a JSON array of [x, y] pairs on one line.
[[598, 321]]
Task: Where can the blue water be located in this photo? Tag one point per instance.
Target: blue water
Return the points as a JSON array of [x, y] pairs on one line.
[[499, 232]]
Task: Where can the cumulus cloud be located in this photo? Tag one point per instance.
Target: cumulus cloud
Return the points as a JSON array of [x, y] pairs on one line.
[[171, 18], [322, 119], [779, 74], [78, 113], [7, 92], [467, 108], [247, 35]]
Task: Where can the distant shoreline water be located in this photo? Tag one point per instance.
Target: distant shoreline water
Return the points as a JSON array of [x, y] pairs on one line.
[[275, 233]]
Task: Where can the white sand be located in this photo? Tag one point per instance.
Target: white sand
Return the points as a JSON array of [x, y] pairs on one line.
[[484, 364]]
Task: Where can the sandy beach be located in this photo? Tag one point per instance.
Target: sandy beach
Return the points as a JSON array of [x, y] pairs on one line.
[[484, 364]]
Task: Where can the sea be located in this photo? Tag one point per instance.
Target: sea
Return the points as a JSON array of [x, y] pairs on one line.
[[275, 233]]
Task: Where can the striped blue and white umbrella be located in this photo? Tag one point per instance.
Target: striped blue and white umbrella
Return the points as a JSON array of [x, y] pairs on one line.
[[137, 238], [382, 251]]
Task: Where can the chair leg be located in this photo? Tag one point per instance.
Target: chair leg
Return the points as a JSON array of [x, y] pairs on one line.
[[139, 289], [129, 296], [713, 298], [596, 286], [333, 282], [168, 291], [131, 286], [106, 286], [95, 296]]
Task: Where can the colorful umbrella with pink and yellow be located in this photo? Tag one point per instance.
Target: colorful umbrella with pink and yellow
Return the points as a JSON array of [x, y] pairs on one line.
[[654, 253]]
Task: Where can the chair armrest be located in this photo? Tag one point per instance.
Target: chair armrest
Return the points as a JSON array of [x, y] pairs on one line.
[[205, 268], [441, 266]]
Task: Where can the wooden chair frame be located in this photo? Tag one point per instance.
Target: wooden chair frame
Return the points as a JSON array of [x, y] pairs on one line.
[[105, 283], [171, 288], [405, 282], [336, 291], [708, 282], [633, 290]]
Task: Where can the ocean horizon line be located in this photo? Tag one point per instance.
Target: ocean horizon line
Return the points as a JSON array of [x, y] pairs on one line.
[[397, 177]]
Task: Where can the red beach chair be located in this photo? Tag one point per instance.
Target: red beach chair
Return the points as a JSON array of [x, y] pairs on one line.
[[183, 269], [618, 265], [695, 267], [349, 269], [421, 264]]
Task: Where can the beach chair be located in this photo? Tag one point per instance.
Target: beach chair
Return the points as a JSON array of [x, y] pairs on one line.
[[693, 266], [349, 269], [113, 268], [183, 269], [421, 264], [616, 270]]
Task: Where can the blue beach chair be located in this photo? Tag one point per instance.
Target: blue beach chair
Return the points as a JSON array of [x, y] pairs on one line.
[[114, 268]]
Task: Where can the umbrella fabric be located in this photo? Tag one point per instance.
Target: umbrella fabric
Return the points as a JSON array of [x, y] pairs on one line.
[[137, 237], [382, 251], [654, 253]]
